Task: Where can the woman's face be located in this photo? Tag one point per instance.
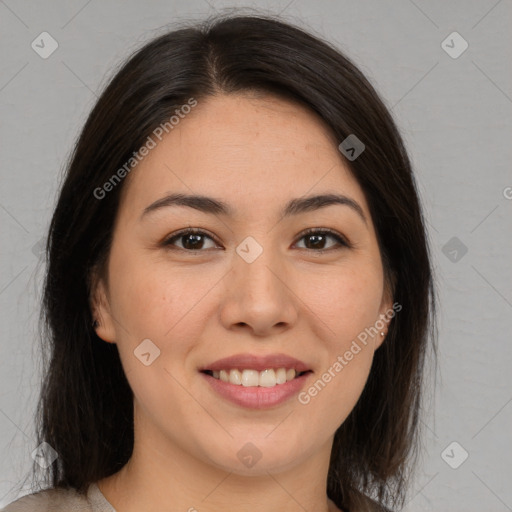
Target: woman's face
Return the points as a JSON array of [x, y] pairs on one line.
[[251, 284]]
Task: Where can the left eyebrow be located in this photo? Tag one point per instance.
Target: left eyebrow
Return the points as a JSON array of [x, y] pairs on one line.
[[217, 207]]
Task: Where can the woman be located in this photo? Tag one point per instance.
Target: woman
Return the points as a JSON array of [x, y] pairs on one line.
[[239, 290]]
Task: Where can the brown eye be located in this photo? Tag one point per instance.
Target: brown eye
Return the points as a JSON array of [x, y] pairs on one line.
[[194, 240], [317, 239], [190, 240]]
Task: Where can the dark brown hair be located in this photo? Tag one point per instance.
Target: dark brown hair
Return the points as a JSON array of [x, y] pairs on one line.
[[86, 406]]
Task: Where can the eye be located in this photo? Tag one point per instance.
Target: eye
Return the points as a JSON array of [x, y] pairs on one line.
[[316, 240], [191, 240]]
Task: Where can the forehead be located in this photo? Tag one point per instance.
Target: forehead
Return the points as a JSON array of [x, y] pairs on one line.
[[253, 151]]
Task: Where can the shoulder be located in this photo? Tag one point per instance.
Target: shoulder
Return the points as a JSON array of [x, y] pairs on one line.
[[363, 503], [55, 500], [369, 505], [374, 506]]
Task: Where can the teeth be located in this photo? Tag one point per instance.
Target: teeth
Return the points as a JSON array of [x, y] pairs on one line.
[[250, 378], [281, 376], [235, 377], [267, 379]]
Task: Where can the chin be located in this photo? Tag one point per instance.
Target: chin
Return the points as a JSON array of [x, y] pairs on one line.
[[258, 457]]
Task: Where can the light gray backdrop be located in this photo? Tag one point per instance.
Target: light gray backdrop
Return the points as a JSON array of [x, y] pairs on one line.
[[453, 105]]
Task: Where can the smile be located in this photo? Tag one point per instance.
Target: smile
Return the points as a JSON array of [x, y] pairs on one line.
[[253, 396], [267, 378]]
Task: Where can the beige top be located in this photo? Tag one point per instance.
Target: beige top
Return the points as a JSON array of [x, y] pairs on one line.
[[68, 500], [62, 500]]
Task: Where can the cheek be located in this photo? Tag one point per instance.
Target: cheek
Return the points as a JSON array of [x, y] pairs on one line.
[[345, 306], [153, 298], [165, 308], [344, 301], [330, 398], [163, 304]]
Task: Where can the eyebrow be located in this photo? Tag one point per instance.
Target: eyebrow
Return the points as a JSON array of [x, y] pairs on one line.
[[217, 207]]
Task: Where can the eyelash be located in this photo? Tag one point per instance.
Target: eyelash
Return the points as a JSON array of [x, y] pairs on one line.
[[343, 243]]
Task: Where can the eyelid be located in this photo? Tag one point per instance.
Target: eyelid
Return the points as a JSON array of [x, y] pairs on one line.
[[341, 239], [187, 231]]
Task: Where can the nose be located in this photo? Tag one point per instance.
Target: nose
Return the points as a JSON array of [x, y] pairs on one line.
[[259, 297]]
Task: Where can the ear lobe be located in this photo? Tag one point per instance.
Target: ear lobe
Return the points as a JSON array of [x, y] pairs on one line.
[[100, 307], [379, 339], [386, 314]]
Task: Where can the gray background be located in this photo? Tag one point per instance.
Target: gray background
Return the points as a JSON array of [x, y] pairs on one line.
[[455, 116]]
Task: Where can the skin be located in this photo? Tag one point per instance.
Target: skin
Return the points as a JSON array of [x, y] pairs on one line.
[[254, 153]]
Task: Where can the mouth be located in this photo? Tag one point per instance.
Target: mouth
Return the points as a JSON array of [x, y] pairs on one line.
[[256, 382], [268, 378]]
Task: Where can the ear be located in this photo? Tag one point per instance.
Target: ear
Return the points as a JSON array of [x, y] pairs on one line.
[[100, 308], [386, 313]]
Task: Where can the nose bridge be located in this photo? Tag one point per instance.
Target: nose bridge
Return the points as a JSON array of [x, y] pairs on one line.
[[257, 294], [255, 265]]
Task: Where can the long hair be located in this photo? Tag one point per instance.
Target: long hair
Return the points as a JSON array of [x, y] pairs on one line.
[[85, 412]]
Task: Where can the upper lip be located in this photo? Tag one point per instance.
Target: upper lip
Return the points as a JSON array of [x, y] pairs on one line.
[[259, 363]]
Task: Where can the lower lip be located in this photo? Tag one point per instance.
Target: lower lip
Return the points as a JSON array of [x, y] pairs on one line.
[[256, 397]]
